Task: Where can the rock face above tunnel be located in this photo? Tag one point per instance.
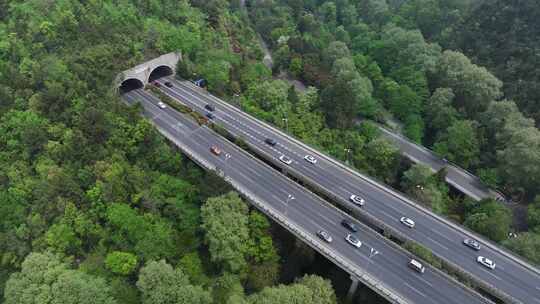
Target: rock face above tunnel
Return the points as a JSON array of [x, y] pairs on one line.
[[147, 71]]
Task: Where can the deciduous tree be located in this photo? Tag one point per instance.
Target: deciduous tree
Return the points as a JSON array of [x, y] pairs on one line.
[[160, 283], [45, 279]]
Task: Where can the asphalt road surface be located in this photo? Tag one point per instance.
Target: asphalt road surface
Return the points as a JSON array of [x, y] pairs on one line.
[[456, 176], [511, 275], [308, 211]]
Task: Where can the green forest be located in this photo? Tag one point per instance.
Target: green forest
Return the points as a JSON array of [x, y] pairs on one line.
[[410, 66], [97, 207]]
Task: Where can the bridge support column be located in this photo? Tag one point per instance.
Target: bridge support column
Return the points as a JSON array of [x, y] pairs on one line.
[[352, 289]]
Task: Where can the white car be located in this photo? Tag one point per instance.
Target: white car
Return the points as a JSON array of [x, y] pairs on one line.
[[310, 159], [357, 200], [353, 240], [162, 105], [285, 159], [486, 262], [407, 222]]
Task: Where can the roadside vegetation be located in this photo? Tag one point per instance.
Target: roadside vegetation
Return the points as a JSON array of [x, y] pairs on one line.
[[375, 62], [96, 207]]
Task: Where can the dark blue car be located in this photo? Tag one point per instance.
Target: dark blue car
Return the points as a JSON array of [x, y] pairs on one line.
[[201, 82]]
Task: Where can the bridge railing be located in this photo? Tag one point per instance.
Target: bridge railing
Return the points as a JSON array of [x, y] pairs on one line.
[[494, 192], [259, 203], [354, 270], [394, 192]]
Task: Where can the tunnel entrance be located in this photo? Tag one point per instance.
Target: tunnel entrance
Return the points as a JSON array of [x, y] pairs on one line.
[[130, 84], [160, 71]]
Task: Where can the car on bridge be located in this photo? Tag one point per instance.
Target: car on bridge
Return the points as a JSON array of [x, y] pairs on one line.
[[407, 222], [357, 200], [486, 262], [472, 244], [201, 82], [323, 234], [349, 225], [310, 159], [272, 142], [353, 240], [414, 264], [285, 159], [215, 150]]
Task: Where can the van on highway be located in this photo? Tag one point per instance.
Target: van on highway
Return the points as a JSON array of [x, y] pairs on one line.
[[414, 264]]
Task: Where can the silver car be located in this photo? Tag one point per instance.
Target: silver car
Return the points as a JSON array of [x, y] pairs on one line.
[[310, 159], [472, 243], [407, 222], [323, 234], [357, 200], [285, 159], [353, 240]]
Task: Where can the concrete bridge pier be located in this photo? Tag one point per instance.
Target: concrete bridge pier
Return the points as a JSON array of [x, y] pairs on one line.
[[352, 289]]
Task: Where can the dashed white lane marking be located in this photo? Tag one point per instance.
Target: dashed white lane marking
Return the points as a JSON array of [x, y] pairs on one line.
[[386, 213], [427, 283], [343, 189], [243, 175], [493, 275], [327, 219], [437, 243], [248, 134], [279, 199], [228, 117], [414, 289]]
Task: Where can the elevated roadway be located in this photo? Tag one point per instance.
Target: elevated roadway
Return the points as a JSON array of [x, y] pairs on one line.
[[386, 272], [456, 176], [513, 278]]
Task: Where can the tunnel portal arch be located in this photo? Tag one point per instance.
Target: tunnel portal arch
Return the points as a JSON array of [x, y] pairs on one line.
[[160, 71], [130, 84], [158, 67]]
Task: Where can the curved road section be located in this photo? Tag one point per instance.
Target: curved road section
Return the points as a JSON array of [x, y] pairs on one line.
[[513, 277], [460, 178], [308, 213]]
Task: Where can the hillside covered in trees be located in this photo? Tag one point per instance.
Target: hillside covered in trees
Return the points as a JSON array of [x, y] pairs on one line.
[[398, 63], [96, 207]]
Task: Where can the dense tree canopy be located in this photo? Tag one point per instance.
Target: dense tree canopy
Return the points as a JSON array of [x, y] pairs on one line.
[[44, 278], [491, 219], [503, 36], [309, 289], [92, 196], [160, 283], [85, 179]]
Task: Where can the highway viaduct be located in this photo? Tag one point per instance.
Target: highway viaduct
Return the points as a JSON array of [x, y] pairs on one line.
[[141, 75]]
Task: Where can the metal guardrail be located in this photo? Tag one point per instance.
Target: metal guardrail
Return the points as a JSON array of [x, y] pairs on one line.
[[380, 185], [456, 166], [356, 271], [378, 223]]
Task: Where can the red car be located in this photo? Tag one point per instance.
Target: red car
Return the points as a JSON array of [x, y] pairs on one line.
[[215, 150], [157, 84]]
